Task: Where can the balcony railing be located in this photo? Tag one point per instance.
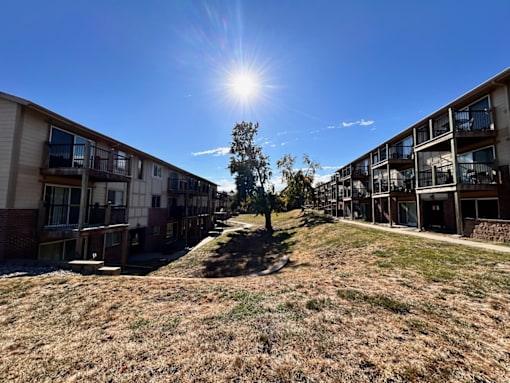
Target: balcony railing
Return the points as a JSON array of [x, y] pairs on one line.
[[73, 156], [360, 171], [381, 186], [473, 120], [440, 126], [360, 193], [405, 185], [187, 186], [346, 172], [67, 216], [477, 173], [401, 152], [422, 134], [438, 175]]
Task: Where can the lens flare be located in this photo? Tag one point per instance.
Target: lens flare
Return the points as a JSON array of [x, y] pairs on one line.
[[244, 86]]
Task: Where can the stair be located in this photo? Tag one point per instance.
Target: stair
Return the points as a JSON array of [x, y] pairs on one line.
[[93, 267], [109, 270]]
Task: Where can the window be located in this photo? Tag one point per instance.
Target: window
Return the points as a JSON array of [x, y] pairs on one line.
[[62, 205], [113, 239], [66, 149], [120, 160], [156, 171], [407, 213], [116, 197], [155, 230], [139, 169], [480, 208], [57, 251], [156, 201], [171, 230]]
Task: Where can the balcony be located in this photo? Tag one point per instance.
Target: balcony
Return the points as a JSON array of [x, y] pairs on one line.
[[477, 173], [66, 217], [71, 160], [440, 127], [360, 193], [402, 185], [182, 186], [381, 186], [360, 172], [401, 153], [473, 121], [436, 176]]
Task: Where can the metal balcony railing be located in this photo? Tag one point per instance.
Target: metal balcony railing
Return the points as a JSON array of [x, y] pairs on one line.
[[422, 134], [440, 126], [473, 120], [438, 175], [380, 186], [73, 156], [66, 216], [360, 193], [402, 185], [477, 173], [187, 186], [360, 171], [401, 152]]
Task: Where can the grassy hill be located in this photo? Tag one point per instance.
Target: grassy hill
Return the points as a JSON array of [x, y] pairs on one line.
[[352, 304]]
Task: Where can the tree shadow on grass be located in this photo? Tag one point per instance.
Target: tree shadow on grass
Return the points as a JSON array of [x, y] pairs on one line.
[[247, 252], [311, 219]]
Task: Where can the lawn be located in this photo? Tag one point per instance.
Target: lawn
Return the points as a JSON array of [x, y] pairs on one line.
[[353, 304]]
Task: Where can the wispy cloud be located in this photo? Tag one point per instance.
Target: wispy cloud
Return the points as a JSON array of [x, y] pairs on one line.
[[361, 122], [222, 151]]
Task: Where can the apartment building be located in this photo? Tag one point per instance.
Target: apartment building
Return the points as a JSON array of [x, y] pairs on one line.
[[450, 167], [68, 192]]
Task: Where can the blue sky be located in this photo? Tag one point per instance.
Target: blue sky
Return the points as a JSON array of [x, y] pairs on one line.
[[332, 79]]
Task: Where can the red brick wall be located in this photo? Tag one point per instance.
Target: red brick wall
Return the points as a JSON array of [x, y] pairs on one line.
[[157, 216], [18, 233]]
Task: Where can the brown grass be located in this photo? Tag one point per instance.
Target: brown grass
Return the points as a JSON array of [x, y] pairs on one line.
[[353, 304]]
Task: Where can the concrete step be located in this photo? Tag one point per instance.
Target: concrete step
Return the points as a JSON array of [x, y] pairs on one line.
[[109, 270], [86, 265]]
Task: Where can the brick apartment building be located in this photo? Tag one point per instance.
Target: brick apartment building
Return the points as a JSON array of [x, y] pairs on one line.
[[69, 192], [440, 174]]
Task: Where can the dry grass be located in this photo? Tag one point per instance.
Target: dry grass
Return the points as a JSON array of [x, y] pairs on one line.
[[354, 304]]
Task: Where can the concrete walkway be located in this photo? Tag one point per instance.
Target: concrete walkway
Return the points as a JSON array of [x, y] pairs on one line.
[[431, 235]]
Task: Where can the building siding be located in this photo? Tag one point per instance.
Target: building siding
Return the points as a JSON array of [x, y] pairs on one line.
[[8, 111]]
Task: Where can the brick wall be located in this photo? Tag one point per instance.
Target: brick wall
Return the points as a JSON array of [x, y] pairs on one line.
[[18, 233], [157, 217], [487, 229]]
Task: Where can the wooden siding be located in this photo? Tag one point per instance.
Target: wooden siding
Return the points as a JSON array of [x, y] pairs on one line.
[[499, 104], [32, 148], [8, 112]]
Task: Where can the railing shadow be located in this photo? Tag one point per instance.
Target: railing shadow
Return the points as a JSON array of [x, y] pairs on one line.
[[247, 252]]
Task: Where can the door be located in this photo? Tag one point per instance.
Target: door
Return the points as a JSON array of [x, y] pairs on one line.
[[407, 213], [433, 214]]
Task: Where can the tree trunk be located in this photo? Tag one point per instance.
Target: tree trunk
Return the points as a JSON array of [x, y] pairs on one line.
[[267, 216]]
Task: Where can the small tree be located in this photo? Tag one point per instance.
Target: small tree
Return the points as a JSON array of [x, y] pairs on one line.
[[252, 171], [299, 187]]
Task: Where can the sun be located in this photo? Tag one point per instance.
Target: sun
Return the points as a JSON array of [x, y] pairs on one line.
[[244, 86]]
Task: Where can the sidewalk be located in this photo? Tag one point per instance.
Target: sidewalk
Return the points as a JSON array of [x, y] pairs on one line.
[[431, 235]]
